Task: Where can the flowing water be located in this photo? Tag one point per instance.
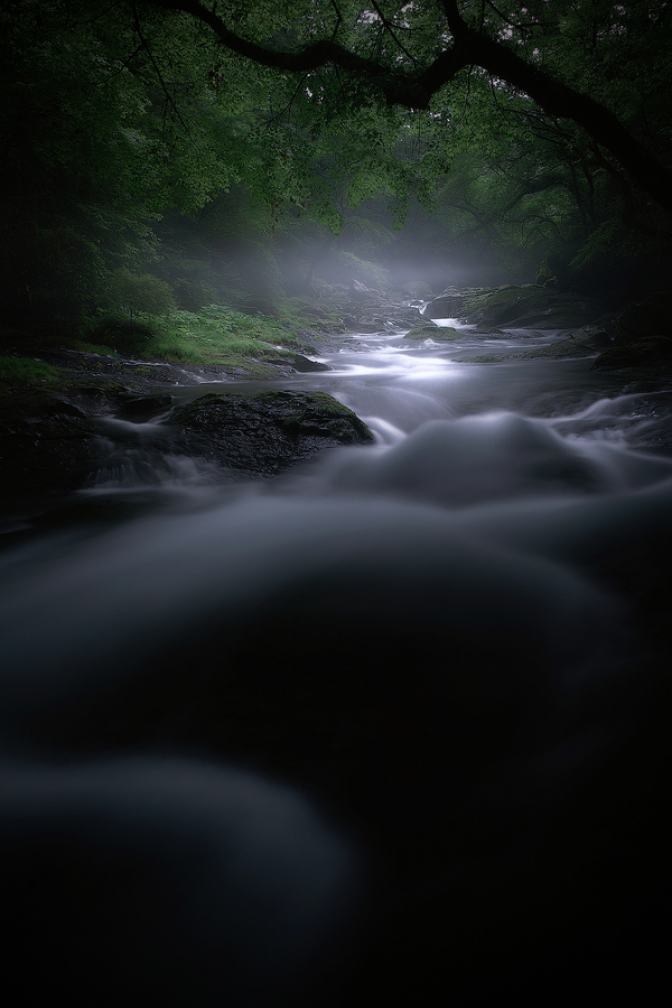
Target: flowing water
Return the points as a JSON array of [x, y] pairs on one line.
[[251, 716]]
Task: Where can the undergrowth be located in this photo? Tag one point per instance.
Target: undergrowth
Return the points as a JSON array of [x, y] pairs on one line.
[[214, 334], [26, 371]]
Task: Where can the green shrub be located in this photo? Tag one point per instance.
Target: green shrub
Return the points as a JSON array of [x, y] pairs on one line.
[[140, 293], [124, 335]]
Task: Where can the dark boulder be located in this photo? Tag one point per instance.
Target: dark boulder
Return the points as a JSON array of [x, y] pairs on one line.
[[47, 444], [653, 350], [446, 306], [651, 317], [139, 408], [525, 306], [264, 433], [643, 335], [299, 363]]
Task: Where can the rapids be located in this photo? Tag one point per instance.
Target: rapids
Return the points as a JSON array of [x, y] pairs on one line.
[[376, 722]]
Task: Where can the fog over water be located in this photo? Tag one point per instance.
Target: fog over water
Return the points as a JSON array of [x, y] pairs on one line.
[[235, 723]]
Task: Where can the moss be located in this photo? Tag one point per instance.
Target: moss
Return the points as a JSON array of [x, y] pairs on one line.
[[426, 330], [317, 412], [26, 371], [527, 305]]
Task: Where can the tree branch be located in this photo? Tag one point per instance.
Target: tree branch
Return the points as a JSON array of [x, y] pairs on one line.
[[470, 47], [388, 26]]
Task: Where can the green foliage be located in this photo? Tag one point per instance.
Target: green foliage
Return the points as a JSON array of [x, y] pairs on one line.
[[123, 334], [140, 293], [145, 166], [214, 334], [26, 371]]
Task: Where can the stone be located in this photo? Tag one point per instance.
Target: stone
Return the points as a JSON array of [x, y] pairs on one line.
[[528, 305], [427, 330], [444, 307], [46, 443], [651, 317], [652, 350], [264, 433], [299, 363]]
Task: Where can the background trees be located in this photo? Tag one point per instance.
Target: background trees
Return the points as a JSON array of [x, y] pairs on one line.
[[265, 146]]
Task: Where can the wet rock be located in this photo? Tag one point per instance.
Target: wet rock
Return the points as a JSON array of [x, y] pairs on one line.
[[581, 343], [449, 306], [651, 317], [403, 318], [424, 331], [299, 363], [434, 332], [141, 408], [528, 306], [596, 336], [652, 350], [264, 433], [47, 444]]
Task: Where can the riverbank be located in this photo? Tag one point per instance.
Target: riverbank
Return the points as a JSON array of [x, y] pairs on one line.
[[57, 393]]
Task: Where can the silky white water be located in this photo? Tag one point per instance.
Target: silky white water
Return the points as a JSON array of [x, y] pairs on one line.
[[460, 555]]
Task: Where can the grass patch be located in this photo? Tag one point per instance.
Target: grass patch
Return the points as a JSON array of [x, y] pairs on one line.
[[215, 334], [26, 371]]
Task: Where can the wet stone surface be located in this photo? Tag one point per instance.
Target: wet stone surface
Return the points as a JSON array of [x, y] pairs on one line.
[[265, 433]]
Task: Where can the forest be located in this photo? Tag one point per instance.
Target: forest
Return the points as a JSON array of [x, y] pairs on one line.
[[162, 156], [336, 468]]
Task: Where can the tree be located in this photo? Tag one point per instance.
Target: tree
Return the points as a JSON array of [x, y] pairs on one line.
[[408, 52]]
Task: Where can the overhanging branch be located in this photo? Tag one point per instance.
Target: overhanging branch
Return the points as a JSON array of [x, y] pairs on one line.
[[470, 47]]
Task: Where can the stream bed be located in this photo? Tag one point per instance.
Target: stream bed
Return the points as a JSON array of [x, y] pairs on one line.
[[392, 725]]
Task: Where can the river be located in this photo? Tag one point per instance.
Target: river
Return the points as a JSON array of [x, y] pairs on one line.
[[392, 723]]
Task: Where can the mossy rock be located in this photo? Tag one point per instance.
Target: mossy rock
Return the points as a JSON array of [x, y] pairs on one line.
[[528, 306], [264, 433], [427, 330], [653, 350]]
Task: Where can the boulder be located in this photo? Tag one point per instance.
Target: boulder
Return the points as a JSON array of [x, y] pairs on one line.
[[299, 363], [435, 332], [651, 350], [140, 408], [449, 306], [651, 317], [264, 433], [528, 306], [426, 330], [47, 443]]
